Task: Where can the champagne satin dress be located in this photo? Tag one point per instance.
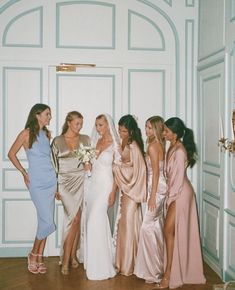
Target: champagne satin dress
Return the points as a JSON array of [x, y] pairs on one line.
[[71, 176], [131, 177], [187, 265], [150, 257]]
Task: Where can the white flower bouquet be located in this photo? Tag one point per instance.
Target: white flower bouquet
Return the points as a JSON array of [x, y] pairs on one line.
[[85, 154]]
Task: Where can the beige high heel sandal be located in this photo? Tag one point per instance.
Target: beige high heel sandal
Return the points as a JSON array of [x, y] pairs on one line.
[[42, 269], [164, 284], [74, 263], [32, 266]]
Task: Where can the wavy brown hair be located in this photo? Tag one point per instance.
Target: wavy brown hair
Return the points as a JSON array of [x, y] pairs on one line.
[[70, 116], [32, 122]]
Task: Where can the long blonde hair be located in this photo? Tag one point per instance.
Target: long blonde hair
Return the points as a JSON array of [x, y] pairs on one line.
[[157, 124], [70, 116]]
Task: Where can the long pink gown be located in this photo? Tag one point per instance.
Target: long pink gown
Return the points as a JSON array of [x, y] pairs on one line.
[[150, 256], [187, 265], [131, 178]]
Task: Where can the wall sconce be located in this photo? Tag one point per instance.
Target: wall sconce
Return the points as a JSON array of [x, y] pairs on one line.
[[225, 143]]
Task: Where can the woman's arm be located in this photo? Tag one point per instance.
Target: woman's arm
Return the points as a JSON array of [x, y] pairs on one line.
[[112, 195], [21, 140], [176, 175], [55, 161], [154, 151]]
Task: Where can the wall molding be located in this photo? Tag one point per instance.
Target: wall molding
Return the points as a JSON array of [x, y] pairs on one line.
[[4, 98], [161, 47], [13, 21], [93, 3]]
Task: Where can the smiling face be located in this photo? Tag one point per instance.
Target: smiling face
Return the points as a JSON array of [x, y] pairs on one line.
[[123, 133], [75, 125], [44, 118], [102, 126]]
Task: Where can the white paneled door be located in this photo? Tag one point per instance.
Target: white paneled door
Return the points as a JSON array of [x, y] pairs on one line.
[[91, 91]]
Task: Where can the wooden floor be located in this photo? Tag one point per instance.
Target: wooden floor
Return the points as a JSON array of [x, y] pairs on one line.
[[14, 276]]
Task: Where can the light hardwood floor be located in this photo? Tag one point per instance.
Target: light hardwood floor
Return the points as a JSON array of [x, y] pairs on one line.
[[14, 276]]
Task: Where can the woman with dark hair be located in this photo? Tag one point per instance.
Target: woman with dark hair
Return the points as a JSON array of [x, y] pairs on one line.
[[71, 173], [131, 177], [183, 250], [40, 178], [149, 263]]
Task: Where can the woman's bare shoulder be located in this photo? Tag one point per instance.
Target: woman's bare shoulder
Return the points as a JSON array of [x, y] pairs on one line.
[[24, 134]]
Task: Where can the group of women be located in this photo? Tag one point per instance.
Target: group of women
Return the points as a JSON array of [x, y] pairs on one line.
[[164, 248]]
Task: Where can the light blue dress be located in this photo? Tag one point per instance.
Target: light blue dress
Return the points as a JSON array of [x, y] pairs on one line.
[[43, 183]]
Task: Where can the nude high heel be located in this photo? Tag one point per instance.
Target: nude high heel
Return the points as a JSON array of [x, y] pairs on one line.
[[164, 284], [64, 270], [74, 263], [32, 266], [42, 269]]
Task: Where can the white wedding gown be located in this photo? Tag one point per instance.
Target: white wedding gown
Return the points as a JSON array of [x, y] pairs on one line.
[[98, 245]]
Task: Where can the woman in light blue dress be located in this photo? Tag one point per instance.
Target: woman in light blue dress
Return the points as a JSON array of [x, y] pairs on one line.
[[40, 178]]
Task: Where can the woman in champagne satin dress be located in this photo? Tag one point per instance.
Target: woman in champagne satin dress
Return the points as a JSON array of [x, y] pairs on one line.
[[71, 176], [183, 249], [131, 178], [149, 263]]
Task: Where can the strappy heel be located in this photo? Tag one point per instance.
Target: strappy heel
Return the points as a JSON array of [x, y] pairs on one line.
[[164, 284], [32, 266], [74, 263], [64, 270], [42, 269]]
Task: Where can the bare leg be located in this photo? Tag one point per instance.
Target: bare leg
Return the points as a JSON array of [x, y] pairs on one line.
[[70, 242], [169, 234], [75, 244], [41, 250]]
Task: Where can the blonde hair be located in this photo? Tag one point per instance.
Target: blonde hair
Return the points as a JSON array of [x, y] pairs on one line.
[[157, 124], [102, 116], [70, 116]]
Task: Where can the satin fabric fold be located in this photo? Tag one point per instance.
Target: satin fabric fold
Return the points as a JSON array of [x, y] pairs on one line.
[[70, 172], [131, 177], [150, 257], [187, 265]]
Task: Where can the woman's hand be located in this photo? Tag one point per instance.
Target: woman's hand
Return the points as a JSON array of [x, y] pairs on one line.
[[58, 196], [87, 166], [26, 179], [111, 199], [152, 203]]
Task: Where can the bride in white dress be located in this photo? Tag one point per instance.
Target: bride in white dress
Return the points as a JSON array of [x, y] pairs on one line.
[[99, 251]]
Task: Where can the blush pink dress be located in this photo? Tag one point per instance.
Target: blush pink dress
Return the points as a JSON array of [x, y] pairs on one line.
[[187, 265], [131, 178], [150, 256]]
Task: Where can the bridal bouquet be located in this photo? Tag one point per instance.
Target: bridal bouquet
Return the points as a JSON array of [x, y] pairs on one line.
[[85, 154]]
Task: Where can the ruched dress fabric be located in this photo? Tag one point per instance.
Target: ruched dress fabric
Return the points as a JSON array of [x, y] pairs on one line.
[[187, 265], [99, 247], [150, 256], [131, 178], [71, 174], [42, 185]]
